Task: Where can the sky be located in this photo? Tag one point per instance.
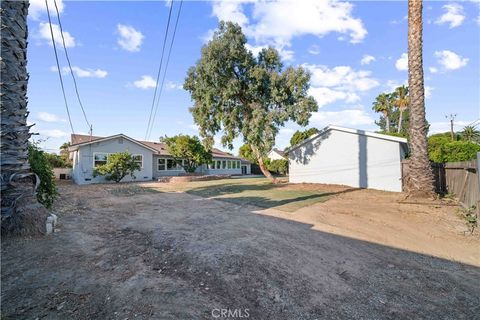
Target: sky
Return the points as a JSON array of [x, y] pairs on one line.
[[354, 51]]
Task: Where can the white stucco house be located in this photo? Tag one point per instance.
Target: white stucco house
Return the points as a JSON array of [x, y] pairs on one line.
[[87, 152], [276, 154], [356, 158]]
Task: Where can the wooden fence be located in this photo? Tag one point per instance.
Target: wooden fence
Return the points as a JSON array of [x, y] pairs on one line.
[[457, 178]]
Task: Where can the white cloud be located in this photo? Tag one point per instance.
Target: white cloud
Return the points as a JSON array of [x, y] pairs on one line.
[[285, 55], [340, 83], [53, 133], [454, 15], [129, 39], [341, 77], [428, 92], [433, 70], [170, 85], [350, 117], [37, 8], [83, 73], [325, 96], [277, 22], [394, 84], [367, 59], [449, 60], [402, 63], [44, 32], [146, 82], [49, 117], [314, 49]]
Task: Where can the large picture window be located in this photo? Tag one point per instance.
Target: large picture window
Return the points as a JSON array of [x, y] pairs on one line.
[[170, 165], [99, 158]]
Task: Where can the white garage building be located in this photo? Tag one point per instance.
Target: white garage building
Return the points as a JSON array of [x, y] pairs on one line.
[[351, 157]]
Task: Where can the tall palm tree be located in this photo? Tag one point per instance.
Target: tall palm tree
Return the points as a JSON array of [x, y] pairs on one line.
[[420, 180], [401, 102], [20, 210], [382, 105]]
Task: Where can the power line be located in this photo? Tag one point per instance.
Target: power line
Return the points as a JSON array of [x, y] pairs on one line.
[[159, 68], [166, 67], [58, 67], [70, 65]]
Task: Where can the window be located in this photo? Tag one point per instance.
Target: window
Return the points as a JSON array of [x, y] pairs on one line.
[[138, 158], [99, 159], [224, 164], [229, 164], [161, 164], [172, 165]]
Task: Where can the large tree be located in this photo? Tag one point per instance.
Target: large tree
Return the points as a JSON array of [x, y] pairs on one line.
[[20, 210], [383, 104], [242, 95], [299, 136], [400, 97], [187, 151], [420, 179]]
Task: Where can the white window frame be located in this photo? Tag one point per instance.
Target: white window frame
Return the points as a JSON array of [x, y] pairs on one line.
[[136, 155], [95, 153], [177, 167], [164, 164]]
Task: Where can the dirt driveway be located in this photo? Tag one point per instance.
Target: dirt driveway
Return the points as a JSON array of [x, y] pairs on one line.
[[123, 254]]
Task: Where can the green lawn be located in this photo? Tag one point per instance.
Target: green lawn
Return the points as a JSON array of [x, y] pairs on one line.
[[252, 191]]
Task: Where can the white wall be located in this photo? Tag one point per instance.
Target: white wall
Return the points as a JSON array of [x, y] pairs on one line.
[[275, 156], [58, 171], [350, 159], [83, 160]]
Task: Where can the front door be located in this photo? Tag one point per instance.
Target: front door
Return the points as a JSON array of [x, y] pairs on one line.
[[244, 169]]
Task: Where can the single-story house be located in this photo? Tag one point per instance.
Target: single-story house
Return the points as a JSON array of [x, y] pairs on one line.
[[87, 152], [351, 157], [276, 154]]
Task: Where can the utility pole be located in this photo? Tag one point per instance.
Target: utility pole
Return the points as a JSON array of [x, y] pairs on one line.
[[452, 117], [91, 132]]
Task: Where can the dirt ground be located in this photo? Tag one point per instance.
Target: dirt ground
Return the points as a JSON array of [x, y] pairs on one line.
[[132, 253]]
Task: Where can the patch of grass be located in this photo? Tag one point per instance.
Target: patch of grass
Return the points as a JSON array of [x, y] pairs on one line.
[[130, 190], [253, 191]]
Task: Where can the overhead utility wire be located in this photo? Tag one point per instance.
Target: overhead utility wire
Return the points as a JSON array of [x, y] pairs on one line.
[[58, 66], [166, 68], [70, 66], [159, 69]]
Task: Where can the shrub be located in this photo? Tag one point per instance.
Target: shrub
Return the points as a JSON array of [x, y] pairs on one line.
[[442, 149], [40, 165], [57, 161], [278, 166], [118, 166]]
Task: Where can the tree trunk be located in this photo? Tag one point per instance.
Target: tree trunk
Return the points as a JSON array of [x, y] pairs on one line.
[[420, 180], [20, 211], [387, 122], [262, 166], [400, 121]]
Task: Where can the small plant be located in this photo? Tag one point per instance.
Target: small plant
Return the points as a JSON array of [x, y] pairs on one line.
[[40, 165], [449, 196], [471, 218], [118, 166]]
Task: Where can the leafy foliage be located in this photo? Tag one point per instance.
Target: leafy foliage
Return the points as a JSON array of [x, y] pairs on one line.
[[299, 136], [246, 152], [57, 161], [471, 133], [242, 95], [471, 217], [118, 166], [279, 166], [442, 149], [40, 165], [188, 148]]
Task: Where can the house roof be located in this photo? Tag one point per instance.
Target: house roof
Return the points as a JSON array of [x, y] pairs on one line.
[[349, 130], [158, 147], [279, 152]]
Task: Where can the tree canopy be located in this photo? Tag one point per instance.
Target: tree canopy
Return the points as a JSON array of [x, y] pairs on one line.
[[299, 136], [187, 151], [441, 148], [246, 152], [118, 166], [238, 94]]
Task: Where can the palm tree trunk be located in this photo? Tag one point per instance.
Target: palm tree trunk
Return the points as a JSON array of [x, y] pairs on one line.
[[262, 166], [387, 121], [400, 121], [20, 211], [420, 179]]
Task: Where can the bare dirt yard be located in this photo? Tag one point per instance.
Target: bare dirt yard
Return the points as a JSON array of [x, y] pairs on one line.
[[163, 251]]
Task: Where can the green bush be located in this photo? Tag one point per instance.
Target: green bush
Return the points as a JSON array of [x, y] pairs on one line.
[[40, 165], [57, 161], [442, 149], [278, 166], [118, 166]]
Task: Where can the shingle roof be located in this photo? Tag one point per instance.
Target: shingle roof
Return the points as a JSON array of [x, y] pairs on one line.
[[158, 146]]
